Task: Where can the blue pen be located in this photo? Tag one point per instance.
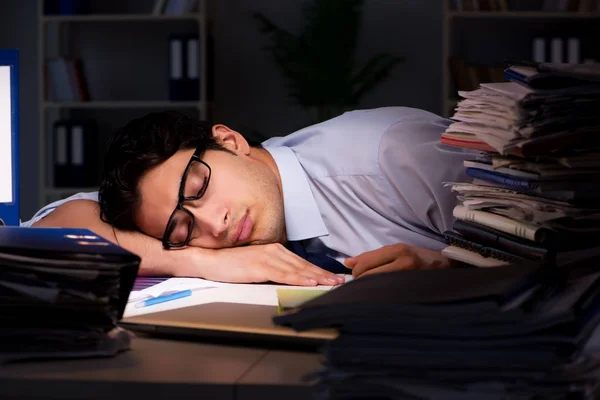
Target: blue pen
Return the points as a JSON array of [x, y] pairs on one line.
[[168, 296], [164, 298]]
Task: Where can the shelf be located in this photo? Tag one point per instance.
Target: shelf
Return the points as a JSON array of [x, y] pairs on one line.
[[123, 104], [522, 14], [57, 38], [119, 17]]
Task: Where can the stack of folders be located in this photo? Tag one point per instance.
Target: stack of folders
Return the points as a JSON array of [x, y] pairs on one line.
[[523, 331], [62, 292], [535, 189]]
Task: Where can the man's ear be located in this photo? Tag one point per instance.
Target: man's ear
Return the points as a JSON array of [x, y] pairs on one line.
[[230, 139]]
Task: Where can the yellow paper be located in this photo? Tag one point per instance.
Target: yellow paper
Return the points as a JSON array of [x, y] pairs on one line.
[[292, 298]]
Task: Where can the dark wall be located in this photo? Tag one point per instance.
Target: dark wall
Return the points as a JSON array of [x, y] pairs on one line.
[[251, 94]]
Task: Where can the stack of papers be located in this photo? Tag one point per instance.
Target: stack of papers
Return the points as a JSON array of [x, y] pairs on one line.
[[62, 292], [535, 189], [536, 113], [515, 331]]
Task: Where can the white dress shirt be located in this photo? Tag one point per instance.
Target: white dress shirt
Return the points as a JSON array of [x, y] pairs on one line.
[[44, 211], [363, 180], [369, 178]]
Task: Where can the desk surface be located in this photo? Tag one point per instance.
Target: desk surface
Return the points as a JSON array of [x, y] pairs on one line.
[[279, 375], [161, 368]]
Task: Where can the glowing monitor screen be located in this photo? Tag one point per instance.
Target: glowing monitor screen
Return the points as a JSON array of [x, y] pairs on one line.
[[6, 189]]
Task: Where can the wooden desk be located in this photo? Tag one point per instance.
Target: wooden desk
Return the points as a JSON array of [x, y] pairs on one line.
[[165, 369], [278, 375]]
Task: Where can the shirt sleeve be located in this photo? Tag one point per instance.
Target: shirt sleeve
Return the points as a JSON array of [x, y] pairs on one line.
[[45, 211], [416, 165]]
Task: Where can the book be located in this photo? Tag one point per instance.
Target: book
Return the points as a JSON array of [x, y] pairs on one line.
[[505, 171], [520, 229], [566, 190], [386, 351], [62, 292], [553, 76], [472, 258], [492, 237], [457, 240]]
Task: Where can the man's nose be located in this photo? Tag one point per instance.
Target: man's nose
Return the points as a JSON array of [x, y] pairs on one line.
[[214, 221]]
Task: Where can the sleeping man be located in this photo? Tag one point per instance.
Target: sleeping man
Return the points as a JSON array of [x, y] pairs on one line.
[[360, 193]]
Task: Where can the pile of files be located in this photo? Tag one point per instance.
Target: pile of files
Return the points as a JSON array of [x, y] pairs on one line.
[[535, 188], [523, 331], [62, 292]]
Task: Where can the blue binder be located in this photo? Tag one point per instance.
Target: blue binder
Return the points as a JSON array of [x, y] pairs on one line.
[[184, 65], [70, 248], [9, 137]]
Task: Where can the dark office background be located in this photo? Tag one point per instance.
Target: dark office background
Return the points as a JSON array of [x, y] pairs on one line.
[[250, 93]]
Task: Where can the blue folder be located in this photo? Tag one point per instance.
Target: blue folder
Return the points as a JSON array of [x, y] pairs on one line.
[[61, 243], [68, 248]]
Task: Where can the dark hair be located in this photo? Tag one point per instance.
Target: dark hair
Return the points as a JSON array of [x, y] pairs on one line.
[[139, 146]]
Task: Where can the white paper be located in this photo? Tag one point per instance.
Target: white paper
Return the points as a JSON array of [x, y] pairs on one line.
[[515, 209], [243, 293], [512, 90]]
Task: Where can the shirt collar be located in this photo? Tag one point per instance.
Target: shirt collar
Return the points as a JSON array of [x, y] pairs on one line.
[[302, 216]]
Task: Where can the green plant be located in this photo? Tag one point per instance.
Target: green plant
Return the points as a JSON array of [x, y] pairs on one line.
[[318, 63]]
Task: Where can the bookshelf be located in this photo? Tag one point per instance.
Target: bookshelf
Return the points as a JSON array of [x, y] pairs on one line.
[[499, 18], [110, 23]]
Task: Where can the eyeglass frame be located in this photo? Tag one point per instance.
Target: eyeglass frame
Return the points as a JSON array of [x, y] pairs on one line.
[[165, 242]]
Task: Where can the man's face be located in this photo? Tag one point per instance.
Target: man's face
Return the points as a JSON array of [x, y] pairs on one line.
[[242, 203]]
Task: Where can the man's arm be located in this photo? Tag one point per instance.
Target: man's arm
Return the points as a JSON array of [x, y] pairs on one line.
[[271, 262], [86, 214], [416, 165]]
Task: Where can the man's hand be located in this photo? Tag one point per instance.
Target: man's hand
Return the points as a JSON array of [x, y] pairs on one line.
[[394, 258], [256, 263]]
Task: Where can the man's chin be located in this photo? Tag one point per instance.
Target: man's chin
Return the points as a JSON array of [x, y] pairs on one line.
[[255, 242]]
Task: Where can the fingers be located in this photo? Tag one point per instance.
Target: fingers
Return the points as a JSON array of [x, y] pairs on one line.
[[280, 265], [295, 264], [350, 262], [373, 259], [382, 268], [263, 263], [405, 262], [289, 277]]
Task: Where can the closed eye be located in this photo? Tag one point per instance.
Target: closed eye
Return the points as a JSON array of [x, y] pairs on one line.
[[203, 187]]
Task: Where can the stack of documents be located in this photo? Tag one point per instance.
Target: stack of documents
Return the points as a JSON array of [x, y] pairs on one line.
[[62, 292], [540, 110], [535, 190], [515, 331]]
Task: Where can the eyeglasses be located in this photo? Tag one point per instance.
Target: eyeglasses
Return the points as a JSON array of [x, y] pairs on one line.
[[193, 186]]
